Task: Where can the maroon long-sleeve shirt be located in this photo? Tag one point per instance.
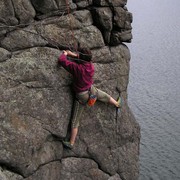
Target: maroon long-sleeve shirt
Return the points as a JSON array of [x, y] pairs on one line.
[[82, 73]]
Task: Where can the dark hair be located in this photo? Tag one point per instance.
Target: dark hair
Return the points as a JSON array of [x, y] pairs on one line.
[[85, 54]]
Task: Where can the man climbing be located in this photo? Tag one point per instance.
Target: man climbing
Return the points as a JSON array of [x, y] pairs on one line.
[[85, 92]]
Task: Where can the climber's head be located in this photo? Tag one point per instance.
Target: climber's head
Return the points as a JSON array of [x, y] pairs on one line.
[[85, 54]]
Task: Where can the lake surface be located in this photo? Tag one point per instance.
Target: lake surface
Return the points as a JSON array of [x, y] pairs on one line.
[[154, 87]]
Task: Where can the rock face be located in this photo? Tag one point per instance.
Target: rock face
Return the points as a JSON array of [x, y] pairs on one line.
[[36, 98]]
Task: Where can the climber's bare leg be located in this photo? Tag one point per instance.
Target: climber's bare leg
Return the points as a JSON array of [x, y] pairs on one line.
[[74, 132], [114, 102]]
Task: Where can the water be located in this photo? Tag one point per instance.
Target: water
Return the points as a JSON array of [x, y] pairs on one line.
[[154, 88]]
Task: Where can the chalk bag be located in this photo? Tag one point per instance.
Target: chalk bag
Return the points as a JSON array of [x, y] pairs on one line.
[[92, 100]]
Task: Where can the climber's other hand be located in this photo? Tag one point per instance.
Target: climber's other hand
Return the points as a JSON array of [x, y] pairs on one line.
[[65, 52]]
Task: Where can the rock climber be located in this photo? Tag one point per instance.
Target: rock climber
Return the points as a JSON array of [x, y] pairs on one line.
[[85, 92]]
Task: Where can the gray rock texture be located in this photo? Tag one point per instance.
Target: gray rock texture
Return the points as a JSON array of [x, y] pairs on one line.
[[36, 99]]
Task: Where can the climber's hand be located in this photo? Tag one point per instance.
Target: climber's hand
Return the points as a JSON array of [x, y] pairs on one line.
[[71, 53], [65, 53]]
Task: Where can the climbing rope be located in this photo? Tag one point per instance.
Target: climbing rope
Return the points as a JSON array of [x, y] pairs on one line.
[[51, 42], [70, 25]]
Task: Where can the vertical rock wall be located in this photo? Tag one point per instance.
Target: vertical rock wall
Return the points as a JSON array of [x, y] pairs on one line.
[[36, 98]]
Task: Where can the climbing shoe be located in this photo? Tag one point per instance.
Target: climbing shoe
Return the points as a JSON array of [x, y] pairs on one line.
[[67, 144], [119, 100]]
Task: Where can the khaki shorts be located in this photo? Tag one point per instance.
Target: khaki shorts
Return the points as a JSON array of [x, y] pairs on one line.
[[81, 102]]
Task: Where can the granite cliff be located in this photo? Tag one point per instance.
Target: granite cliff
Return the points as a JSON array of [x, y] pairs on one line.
[[36, 98]]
